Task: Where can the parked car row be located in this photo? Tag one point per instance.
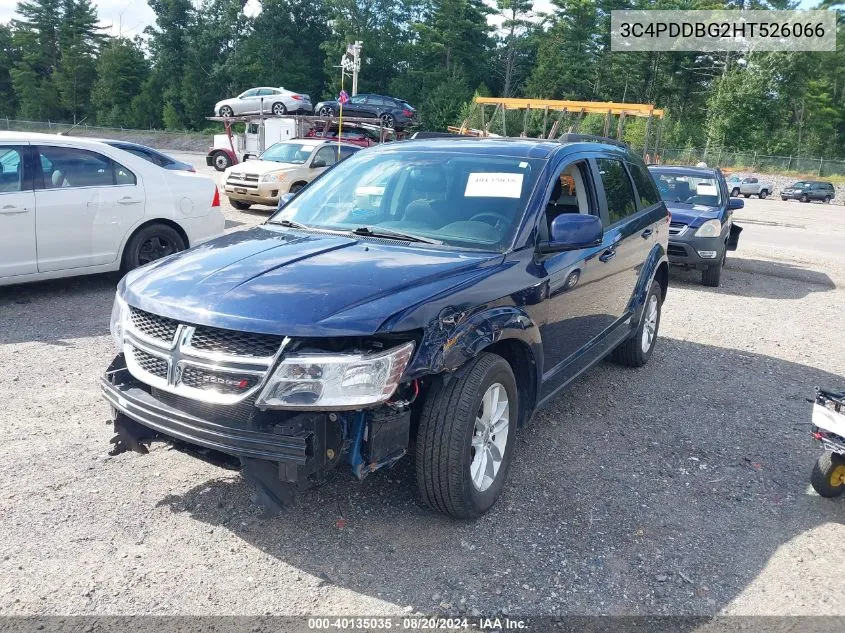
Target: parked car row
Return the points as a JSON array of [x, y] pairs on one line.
[[803, 190]]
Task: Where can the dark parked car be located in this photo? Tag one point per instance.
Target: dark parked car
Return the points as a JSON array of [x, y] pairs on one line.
[[392, 112], [151, 155], [702, 229], [425, 295], [354, 135], [807, 190]]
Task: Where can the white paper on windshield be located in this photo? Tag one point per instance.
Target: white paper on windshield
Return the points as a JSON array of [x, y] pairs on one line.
[[706, 190], [494, 185]]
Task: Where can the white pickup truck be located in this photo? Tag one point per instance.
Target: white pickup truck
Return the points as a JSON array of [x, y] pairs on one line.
[[752, 187]]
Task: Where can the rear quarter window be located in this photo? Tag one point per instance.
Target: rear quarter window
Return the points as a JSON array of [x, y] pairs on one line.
[[617, 189], [646, 189]]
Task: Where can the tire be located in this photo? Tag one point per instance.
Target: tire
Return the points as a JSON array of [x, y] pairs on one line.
[[279, 108], [735, 192], [326, 111], [804, 198], [712, 275], [827, 199], [763, 194], [240, 205], [450, 432], [387, 120], [221, 161], [746, 195], [152, 242], [227, 111], [295, 187], [828, 476], [630, 352]]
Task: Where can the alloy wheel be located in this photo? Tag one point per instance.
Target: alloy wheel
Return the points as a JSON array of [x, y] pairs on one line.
[[649, 324], [155, 248], [489, 437]]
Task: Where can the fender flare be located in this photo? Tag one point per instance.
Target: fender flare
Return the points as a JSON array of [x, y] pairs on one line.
[[656, 257]]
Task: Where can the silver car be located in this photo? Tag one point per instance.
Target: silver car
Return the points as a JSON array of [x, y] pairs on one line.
[[274, 100]]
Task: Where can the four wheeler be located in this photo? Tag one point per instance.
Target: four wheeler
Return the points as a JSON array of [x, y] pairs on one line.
[[828, 476]]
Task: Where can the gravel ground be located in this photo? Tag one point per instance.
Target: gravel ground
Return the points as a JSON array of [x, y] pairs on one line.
[[679, 488]]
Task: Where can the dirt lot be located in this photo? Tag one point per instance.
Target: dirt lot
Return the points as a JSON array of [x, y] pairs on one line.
[[680, 488]]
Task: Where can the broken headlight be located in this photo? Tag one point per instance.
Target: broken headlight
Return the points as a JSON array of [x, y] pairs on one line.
[[335, 381], [119, 314]]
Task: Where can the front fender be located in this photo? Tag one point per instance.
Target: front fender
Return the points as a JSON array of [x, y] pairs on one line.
[[457, 338]]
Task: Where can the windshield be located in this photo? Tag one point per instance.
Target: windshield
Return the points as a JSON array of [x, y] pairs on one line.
[[688, 188], [293, 153], [800, 185], [456, 199]]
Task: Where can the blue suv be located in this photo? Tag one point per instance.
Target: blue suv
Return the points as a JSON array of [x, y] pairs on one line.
[[702, 230], [423, 296]]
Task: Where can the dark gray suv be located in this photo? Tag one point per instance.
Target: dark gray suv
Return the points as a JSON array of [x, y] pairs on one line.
[[806, 190]]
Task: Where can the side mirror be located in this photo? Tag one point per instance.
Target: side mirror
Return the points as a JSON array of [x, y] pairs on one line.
[[318, 163], [735, 203], [571, 231], [284, 199]]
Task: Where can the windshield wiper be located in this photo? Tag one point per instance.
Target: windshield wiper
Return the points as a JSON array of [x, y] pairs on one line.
[[289, 223], [392, 235]]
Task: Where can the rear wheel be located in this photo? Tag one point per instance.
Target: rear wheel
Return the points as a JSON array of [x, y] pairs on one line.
[[635, 351], [239, 204], [221, 161], [387, 120], [804, 197], [828, 476], [763, 194], [151, 243], [279, 108], [465, 441], [827, 199], [735, 192]]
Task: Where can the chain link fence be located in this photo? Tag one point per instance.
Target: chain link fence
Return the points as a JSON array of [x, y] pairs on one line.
[[752, 161], [159, 139]]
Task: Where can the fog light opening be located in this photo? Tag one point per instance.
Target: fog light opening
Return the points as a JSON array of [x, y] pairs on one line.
[[707, 254]]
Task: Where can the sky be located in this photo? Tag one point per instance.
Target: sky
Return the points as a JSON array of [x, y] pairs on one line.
[[130, 17]]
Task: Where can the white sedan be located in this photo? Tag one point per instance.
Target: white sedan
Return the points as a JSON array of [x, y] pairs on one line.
[[274, 101], [72, 206]]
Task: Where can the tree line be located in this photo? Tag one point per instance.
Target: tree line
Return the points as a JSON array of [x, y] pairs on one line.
[[57, 64]]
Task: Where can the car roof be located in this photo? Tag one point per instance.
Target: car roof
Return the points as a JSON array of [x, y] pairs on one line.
[[312, 142], [687, 171], [38, 137], [499, 146]]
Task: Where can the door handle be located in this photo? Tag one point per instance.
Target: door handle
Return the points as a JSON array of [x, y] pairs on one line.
[[12, 210], [647, 233], [607, 255], [128, 201]]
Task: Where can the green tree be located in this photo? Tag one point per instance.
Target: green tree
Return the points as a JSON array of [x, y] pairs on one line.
[[121, 72], [36, 36], [79, 41], [9, 54], [515, 42]]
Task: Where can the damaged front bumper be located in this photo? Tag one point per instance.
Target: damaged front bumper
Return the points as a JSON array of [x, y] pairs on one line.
[[278, 451]]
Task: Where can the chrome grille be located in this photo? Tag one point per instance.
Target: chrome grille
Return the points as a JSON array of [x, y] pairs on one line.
[[235, 343], [150, 364], [677, 228], [153, 326], [213, 365]]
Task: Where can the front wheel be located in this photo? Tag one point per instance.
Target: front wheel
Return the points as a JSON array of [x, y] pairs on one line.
[[465, 442], [325, 111], [226, 111], [735, 193], [151, 243], [828, 476], [636, 350], [239, 204], [804, 197], [827, 199], [763, 194]]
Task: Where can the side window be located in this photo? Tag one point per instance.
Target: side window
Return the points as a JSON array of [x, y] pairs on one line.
[[11, 169], [249, 93], [358, 99], [327, 154], [71, 167], [139, 153], [645, 185], [617, 189], [346, 152], [252, 128], [266, 92], [571, 193]]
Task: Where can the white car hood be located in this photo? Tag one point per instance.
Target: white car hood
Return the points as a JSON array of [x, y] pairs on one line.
[[261, 167]]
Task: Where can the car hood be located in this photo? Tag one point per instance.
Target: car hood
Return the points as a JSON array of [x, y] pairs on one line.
[[277, 281], [692, 214], [261, 167]]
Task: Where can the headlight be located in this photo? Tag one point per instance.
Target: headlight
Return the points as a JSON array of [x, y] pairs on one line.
[[274, 176], [335, 381], [119, 314], [711, 228]]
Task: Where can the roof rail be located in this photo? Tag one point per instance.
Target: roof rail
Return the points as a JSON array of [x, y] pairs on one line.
[[591, 138]]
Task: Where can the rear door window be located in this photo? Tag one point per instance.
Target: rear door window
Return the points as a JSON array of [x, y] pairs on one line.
[[63, 167], [11, 169], [618, 190]]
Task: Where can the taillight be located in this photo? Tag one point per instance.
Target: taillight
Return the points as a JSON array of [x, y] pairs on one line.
[[216, 201], [407, 113], [296, 97]]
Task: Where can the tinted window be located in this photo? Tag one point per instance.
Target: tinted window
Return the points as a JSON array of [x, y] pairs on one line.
[[346, 152], [249, 93], [645, 185], [71, 167], [358, 99], [11, 169], [617, 188], [327, 154]]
